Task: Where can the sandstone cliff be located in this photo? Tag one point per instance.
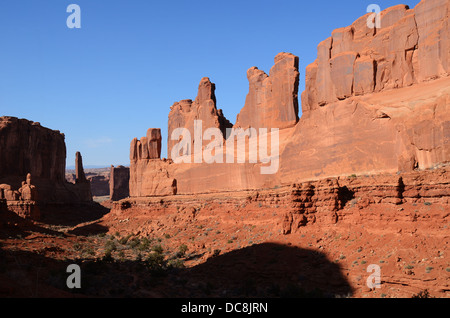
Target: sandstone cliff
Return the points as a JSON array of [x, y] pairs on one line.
[[272, 101], [27, 147], [148, 174], [32, 168], [412, 46], [184, 113], [376, 101], [119, 183]]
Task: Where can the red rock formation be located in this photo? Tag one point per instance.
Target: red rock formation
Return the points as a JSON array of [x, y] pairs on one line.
[[272, 101], [148, 147], [372, 104], [99, 185], [152, 178], [27, 147], [119, 181], [148, 174], [184, 113], [98, 178], [412, 46], [80, 177], [354, 121], [28, 192], [82, 185]]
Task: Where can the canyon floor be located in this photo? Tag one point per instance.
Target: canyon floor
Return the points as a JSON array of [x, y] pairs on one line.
[[221, 248]]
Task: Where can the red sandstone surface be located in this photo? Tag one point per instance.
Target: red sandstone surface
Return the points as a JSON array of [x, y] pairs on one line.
[[363, 180]]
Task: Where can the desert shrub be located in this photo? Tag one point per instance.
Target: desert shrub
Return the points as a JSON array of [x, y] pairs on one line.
[[155, 262], [110, 246], [144, 244], [423, 294], [175, 263], [108, 255], [124, 239], [157, 249], [77, 246], [182, 250]]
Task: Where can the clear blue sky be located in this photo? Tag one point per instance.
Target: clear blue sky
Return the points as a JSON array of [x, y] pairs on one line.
[[108, 82]]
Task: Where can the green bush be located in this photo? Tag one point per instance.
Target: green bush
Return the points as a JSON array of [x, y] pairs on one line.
[[182, 250], [157, 249]]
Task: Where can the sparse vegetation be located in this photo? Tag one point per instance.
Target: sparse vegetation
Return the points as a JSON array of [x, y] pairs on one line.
[[182, 251], [423, 294]]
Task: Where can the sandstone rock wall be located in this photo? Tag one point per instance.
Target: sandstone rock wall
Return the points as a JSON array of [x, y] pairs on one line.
[[272, 101], [99, 185], [30, 150], [148, 174], [324, 202], [412, 46], [82, 184], [27, 147], [119, 183], [184, 113], [376, 101]]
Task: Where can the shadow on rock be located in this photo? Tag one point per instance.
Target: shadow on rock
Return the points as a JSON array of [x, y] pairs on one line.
[[12, 225], [72, 215], [259, 271], [89, 230], [270, 270]]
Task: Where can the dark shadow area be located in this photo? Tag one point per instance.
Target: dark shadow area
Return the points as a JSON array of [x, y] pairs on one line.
[[259, 271], [12, 225], [72, 215], [345, 195], [270, 270], [400, 188], [89, 230]]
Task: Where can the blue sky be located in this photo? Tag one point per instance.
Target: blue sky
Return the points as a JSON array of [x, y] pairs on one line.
[[108, 82]]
